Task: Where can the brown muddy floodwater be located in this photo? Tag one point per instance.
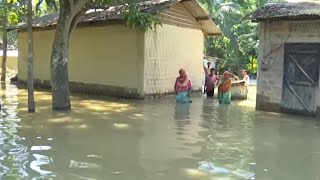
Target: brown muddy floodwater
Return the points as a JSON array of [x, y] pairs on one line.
[[153, 140]]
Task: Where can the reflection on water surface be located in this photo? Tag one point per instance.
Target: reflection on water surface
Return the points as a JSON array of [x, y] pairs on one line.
[[153, 140]]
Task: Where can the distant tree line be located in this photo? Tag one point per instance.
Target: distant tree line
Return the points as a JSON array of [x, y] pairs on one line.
[[238, 48]]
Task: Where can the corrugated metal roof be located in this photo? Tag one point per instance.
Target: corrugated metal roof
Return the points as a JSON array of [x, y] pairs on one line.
[[211, 28], [116, 13], [195, 9], [202, 17], [288, 10]]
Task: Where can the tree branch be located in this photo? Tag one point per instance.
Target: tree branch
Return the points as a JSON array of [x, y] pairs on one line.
[[71, 3], [79, 6], [77, 19]]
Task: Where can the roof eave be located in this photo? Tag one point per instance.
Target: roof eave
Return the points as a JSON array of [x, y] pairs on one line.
[[208, 25], [287, 18], [80, 25], [214, 34]]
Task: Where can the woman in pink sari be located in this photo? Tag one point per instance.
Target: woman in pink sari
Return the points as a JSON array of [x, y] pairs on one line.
[[183, 87]]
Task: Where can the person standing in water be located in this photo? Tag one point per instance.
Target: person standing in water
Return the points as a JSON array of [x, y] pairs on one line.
[[207, 69], [210, 83], [183, 87], [224, 89], [246, 78]]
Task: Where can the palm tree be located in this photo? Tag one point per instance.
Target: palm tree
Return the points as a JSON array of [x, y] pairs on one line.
[[225, 15]]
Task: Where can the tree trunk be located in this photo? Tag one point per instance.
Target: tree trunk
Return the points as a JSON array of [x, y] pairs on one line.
[[5, 46], [252, 65], [70, 13], [59, 62], [31, 104]]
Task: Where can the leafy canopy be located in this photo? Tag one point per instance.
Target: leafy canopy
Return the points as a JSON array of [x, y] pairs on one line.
[[238, 49]]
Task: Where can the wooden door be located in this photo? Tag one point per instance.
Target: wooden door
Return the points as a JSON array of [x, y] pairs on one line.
[[300, 80]]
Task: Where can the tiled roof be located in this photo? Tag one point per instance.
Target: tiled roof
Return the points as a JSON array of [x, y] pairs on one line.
[[115, 13], [287, 10]]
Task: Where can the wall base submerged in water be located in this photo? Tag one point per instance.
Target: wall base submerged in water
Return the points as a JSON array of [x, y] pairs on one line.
[[93, 89], [100, 90]]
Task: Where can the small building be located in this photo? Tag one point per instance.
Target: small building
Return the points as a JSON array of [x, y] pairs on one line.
[[210, 59], [106, 57], [289, 56], [12, 59]]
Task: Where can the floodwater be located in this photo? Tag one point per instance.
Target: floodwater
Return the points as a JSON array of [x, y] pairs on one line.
[[153, 140]]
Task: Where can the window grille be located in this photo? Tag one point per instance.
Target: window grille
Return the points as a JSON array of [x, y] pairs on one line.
[[302, 27]]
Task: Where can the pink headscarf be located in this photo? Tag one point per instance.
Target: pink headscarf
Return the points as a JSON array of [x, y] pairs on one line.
[[183, 83]]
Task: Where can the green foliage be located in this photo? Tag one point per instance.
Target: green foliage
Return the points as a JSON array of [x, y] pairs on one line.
[[252, 65], [13, 17], [13, 10], [43, 7], [238, 49], [133, 16], [10, 10], [139, 20]]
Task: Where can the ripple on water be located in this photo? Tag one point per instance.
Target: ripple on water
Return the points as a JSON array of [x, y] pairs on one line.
[[121, 126], [83, 165], [39, 161], [93, 156], [40, 148], [230, 137]]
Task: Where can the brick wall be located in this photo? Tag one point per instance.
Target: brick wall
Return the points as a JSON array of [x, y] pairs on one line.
[[168, 49]]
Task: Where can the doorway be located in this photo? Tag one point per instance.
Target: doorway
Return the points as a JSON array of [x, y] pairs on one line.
[[300, 79]]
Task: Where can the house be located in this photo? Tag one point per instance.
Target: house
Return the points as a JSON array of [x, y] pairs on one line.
[[12, 59], [289, 55], [106, 57]]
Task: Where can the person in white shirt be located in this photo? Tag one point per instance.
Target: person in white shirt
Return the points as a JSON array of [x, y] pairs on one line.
[[246, 78]]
